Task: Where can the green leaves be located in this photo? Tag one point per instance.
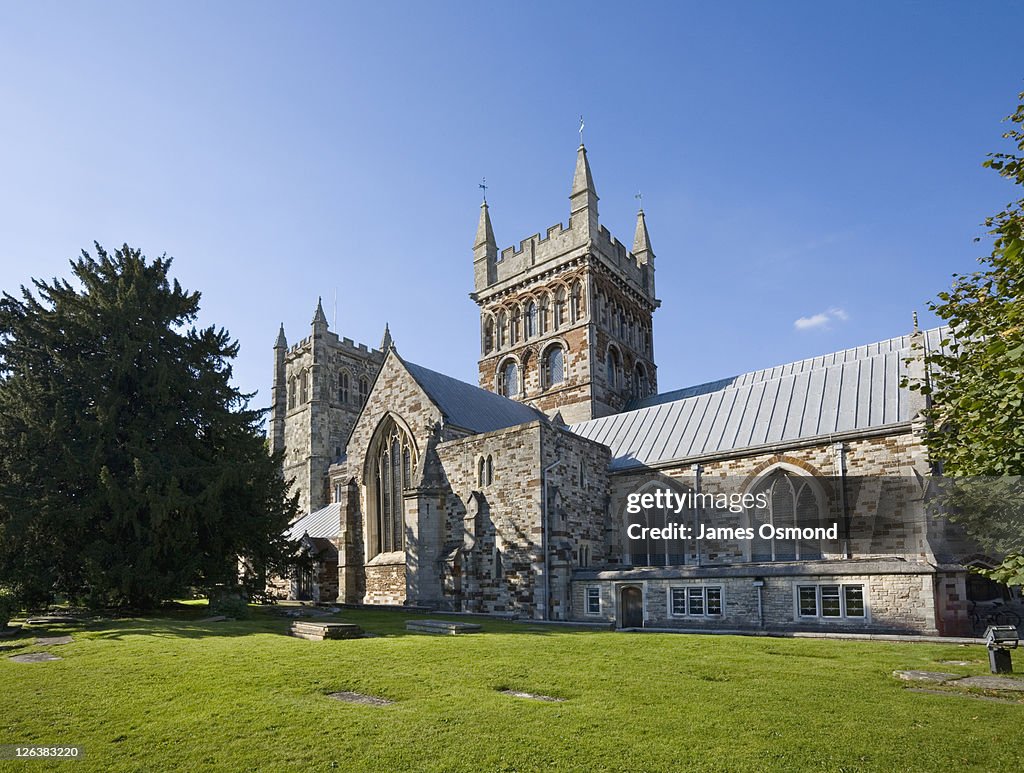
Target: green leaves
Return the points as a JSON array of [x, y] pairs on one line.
[[976, 422]]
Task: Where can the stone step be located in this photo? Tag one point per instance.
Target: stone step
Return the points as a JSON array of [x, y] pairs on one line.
[[440, 626], [305, 629]]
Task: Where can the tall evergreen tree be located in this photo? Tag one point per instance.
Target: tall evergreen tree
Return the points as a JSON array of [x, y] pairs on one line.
[[130, 467]]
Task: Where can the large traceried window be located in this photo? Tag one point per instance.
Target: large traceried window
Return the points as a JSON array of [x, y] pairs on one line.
[[792, 503], [644, 549], [393, 462], [553, 366], [508, 379]]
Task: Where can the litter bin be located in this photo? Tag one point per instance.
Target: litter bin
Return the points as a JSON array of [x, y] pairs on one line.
[[1000, 639]]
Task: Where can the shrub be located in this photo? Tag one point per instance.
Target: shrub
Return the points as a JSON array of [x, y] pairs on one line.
[[230, 606], [9, 605]]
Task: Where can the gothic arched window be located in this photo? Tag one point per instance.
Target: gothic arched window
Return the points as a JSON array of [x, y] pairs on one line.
[[647, 551], [542, 320], [304, 397], [791, 503], [508, 379], [559, 307], [553, 367], [531, 320], [343, 387], [364, 390], [393, 458], [291, 393]]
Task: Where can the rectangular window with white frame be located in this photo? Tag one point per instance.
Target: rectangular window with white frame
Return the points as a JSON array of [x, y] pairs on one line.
[[831, 601], [593, 600], [696, 601]]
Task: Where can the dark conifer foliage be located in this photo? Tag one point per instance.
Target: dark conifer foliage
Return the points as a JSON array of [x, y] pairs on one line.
[[131, 469]]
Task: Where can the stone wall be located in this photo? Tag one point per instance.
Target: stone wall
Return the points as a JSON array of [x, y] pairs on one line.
[[495, 523], [897, 599]]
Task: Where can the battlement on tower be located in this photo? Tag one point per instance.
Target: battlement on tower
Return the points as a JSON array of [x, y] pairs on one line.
[[333, 340], [560, 244]]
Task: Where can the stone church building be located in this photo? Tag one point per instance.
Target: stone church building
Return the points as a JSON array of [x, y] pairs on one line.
[[509, 497]]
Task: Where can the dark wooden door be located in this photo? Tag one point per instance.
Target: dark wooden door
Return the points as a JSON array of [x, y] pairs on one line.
[[632, 605]]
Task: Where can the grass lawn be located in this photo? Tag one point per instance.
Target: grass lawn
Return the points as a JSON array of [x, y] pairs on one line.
[[170, 693]]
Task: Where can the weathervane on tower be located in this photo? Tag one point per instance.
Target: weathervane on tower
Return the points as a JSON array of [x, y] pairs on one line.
[[483, 187], [640, 197], [581, 128]]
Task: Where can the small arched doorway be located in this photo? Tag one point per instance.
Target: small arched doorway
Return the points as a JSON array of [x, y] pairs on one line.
[[631, 604]]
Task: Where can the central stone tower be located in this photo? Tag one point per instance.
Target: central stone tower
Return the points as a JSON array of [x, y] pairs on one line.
[[565, 320]]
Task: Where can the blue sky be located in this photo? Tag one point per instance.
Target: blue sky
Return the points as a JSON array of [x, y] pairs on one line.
[[799, 161]]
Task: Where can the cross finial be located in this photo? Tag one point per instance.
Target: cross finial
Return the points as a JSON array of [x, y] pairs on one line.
[[483, 187], [640, 197], [581, 128], [915, 321]]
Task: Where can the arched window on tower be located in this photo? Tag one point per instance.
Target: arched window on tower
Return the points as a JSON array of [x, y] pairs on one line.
[[514, 334], [531, 320], [559, 307], [364, 390], [508, 379], [553, 367], [614, 368], [488, 343], [576, 303], [343, 387], [304, 397], [394, 458], [291, 393], [603, 304], [502, 329], [543, 323], [641, 387]]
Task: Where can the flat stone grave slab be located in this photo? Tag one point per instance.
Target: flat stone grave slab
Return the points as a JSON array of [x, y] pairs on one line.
[[440, 626], [925, 676], [52, 620], [958, 662], [357, 697], [531, 696], [213, 619], [961, 694], [314, 631], [50, 641], [34, 657], [992, 683]]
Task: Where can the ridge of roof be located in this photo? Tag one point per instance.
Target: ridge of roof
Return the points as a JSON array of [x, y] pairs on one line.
[[468, 406]]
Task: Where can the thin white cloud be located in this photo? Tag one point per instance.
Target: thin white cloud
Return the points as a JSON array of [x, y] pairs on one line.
[[822, 320]]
